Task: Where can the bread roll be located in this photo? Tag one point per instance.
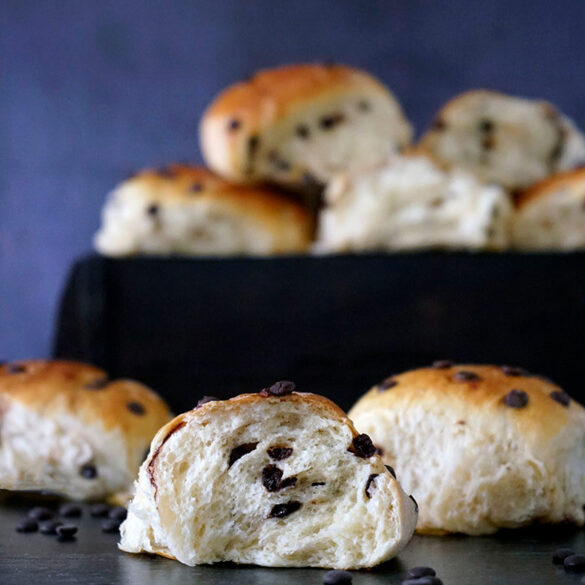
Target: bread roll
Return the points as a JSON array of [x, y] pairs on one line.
[[66, 428], [278, 478], [299, 125], [551, 214], [188, 211], [480, 447], [507, 140], [410, 204]]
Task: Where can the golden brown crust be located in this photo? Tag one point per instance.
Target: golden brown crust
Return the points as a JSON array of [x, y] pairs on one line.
[[568, 179], [543, 414], [51, 388], [271, 93], [183, 183]]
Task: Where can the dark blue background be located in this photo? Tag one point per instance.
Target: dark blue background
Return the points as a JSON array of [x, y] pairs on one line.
[[90, 90]]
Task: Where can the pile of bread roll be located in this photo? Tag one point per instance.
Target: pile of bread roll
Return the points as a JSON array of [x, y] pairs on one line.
[[320, 158]]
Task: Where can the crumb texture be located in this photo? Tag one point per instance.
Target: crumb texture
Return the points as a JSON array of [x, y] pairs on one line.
[[319, 506]]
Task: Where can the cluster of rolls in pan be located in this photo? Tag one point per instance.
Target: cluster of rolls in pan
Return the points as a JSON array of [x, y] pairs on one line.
[[286, 478], [321, 158]]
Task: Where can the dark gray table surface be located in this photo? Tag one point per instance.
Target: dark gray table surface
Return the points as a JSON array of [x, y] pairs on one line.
[[509, 558]]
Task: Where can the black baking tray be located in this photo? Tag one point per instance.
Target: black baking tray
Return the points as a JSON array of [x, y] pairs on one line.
[[520, 557], [333, 324]]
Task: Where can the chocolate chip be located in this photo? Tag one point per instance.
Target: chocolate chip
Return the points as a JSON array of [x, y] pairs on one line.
[[88, 471], [234, 124], [15, 368], [40, 513], [279, 453], [559, 556], [466, 376], [364, 106], [50, 527], [575, 563], [70, 511], [99, 510], [415, 503], [302, 131], [486, 126], [27, 525], [111, 526], [272, 479], [417, 572], [379, 450], [196, 188], [118, 513], [331, 120], [387, 384], [391, 471], [282, 510], [241, 450], [439, 125], [516, 399], [205, 400], [282, 388], [336, 578], [442, 364], [152, 210], [97, 384], [369, 482], [316, 483], [136, 407], [561, 397], [66, 531], [514, 371], [362, 446], [428, 580]]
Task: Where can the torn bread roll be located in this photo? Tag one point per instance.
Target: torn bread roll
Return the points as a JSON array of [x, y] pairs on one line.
[[278, 478], [551, 214], [65, 427], [298, 125], [185, 210], [502, 139], [480, 447], [411, 204]]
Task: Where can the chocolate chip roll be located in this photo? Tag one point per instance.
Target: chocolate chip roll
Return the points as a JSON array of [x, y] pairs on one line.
[[480, 447], [551, 214], [298, 125], [409, 203], [65, 427], [279, 479], [507, 140], [185, 210]]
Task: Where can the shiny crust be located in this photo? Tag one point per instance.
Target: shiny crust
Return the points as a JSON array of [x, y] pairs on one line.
[[543, 416], [270, 94], [289, 224], [574, 179], [52, 388]]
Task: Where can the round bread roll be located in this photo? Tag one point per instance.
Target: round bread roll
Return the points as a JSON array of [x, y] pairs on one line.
[[507, 140], [480, 447], [411, 204], [278, 478], [66, 428], [189, 211], [551, 214], [299, 125]]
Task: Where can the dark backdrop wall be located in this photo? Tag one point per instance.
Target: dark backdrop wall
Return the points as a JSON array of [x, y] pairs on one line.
[[92, 90]]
